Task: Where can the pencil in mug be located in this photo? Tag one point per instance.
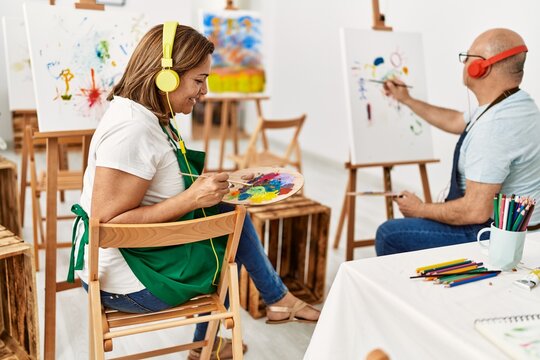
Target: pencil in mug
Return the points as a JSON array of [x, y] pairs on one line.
[[205, 176]]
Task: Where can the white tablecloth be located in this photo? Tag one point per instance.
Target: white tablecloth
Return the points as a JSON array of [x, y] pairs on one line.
[[374, 304]]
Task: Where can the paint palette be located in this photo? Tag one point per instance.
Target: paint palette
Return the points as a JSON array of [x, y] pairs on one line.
[[269, 185]]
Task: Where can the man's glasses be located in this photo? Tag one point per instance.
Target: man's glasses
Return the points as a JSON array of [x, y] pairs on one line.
[[463, 57]]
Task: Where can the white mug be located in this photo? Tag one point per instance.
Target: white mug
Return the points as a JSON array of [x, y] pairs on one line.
[[505, 247]]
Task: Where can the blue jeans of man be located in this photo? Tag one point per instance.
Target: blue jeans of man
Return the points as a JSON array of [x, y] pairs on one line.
[[410, 234], [250, 254]]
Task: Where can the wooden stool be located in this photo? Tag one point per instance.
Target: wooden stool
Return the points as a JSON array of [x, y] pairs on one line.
[[9, 197], [18, 303], [298, 255]]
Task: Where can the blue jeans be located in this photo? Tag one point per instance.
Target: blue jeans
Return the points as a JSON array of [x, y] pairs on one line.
[[250, 254], [410, 234]]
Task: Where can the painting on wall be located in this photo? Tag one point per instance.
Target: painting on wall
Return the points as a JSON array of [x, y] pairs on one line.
[[19, 74], [77, 56], [237, 64], [381, 129]]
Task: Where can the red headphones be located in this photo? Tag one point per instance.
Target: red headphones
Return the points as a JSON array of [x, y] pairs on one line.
[[479, 68]]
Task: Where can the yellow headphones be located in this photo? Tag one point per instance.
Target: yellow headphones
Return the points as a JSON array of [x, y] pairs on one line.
[[167, 80]]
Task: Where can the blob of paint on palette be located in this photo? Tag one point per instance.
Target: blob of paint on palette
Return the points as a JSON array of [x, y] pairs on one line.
[[269, 185]]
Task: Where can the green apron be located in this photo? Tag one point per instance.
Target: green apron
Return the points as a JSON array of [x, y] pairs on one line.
[[174, 274]]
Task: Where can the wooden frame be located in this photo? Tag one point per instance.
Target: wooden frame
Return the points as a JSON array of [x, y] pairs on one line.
[[51, 285], [348, 210], [229, 107], [9, 205], [167, 234], [252, 157], [67, 180]]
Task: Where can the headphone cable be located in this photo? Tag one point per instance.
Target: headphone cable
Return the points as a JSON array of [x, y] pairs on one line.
[[182, 147]]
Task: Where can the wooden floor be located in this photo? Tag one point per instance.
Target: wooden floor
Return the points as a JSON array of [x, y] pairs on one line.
[[325, 182]]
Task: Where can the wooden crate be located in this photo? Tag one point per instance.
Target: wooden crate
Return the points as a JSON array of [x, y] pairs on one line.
[[9, 196], [18, 302], [295, 235]]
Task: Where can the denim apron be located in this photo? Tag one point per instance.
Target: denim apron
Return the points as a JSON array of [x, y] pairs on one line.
[[455, 191]]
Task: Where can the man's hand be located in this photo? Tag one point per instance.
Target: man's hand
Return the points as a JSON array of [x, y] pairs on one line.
[[409, 204], [400, 93]]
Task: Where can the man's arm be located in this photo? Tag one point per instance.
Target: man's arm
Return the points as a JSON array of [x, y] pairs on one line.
[[475, 207], [445, 119]]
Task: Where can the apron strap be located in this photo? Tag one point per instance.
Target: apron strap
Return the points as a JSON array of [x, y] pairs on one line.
[[77, 264]]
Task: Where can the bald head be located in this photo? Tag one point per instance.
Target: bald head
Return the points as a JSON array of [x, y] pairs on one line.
[[495, 41]]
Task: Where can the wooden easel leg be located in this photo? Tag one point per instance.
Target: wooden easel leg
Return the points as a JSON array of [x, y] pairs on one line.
[[208, 108], [85, 151], [234, 125], [342, 217], [350, 224], [223, 136], [388, 188], [50, 255], [63, 165], [24, 172], [425, 183]]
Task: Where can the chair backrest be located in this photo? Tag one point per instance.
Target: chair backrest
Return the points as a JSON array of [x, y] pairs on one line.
[[294, 124], [165, 234]]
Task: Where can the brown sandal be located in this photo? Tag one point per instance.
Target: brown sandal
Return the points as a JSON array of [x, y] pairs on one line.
[[225, 351], [292, 311]]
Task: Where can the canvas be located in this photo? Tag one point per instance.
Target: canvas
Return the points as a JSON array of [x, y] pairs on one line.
[[77, 56], [237, 64], [19, 74], [382, 130]]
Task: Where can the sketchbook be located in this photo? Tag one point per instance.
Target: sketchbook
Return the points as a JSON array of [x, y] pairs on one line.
[[518, 336]]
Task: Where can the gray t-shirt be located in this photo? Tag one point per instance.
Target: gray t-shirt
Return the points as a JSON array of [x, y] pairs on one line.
[[503, 147]]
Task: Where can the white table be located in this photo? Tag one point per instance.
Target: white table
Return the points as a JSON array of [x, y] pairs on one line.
[[374, 304]]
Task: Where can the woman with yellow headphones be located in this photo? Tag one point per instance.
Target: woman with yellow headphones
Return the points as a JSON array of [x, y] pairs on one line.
[[133, 176]]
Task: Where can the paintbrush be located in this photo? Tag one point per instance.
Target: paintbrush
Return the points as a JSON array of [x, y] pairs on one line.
[[230, 181], [393, 82]]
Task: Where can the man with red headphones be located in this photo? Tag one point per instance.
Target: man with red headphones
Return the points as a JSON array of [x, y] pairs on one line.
[[498, 150]]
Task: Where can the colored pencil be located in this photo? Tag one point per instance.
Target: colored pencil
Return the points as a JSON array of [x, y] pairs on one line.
[[468, 272], [449, 278], [477, 278], [506, 207], [527, 218], [456, 269], [445, 267], [511, 209], [451, 262], [502, 200], [205, 176], [495, 211], [518, 221], [393, 82]]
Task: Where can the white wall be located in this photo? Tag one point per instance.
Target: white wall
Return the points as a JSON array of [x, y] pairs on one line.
[[305, 63]]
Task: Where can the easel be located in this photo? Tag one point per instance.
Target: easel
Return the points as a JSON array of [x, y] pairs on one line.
[[348, 209], [229, 107], [51, 285]]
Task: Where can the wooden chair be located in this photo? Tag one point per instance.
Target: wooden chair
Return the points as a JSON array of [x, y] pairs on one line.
[[67, 180], [102, 321], [253, 157]]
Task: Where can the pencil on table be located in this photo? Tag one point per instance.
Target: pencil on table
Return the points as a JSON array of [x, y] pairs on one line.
[[477, 278], [451, 262]]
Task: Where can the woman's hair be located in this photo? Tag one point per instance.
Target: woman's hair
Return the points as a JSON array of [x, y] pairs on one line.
[[190, 49]]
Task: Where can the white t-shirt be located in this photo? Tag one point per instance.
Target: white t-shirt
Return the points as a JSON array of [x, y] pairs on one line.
[[128, 138]]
